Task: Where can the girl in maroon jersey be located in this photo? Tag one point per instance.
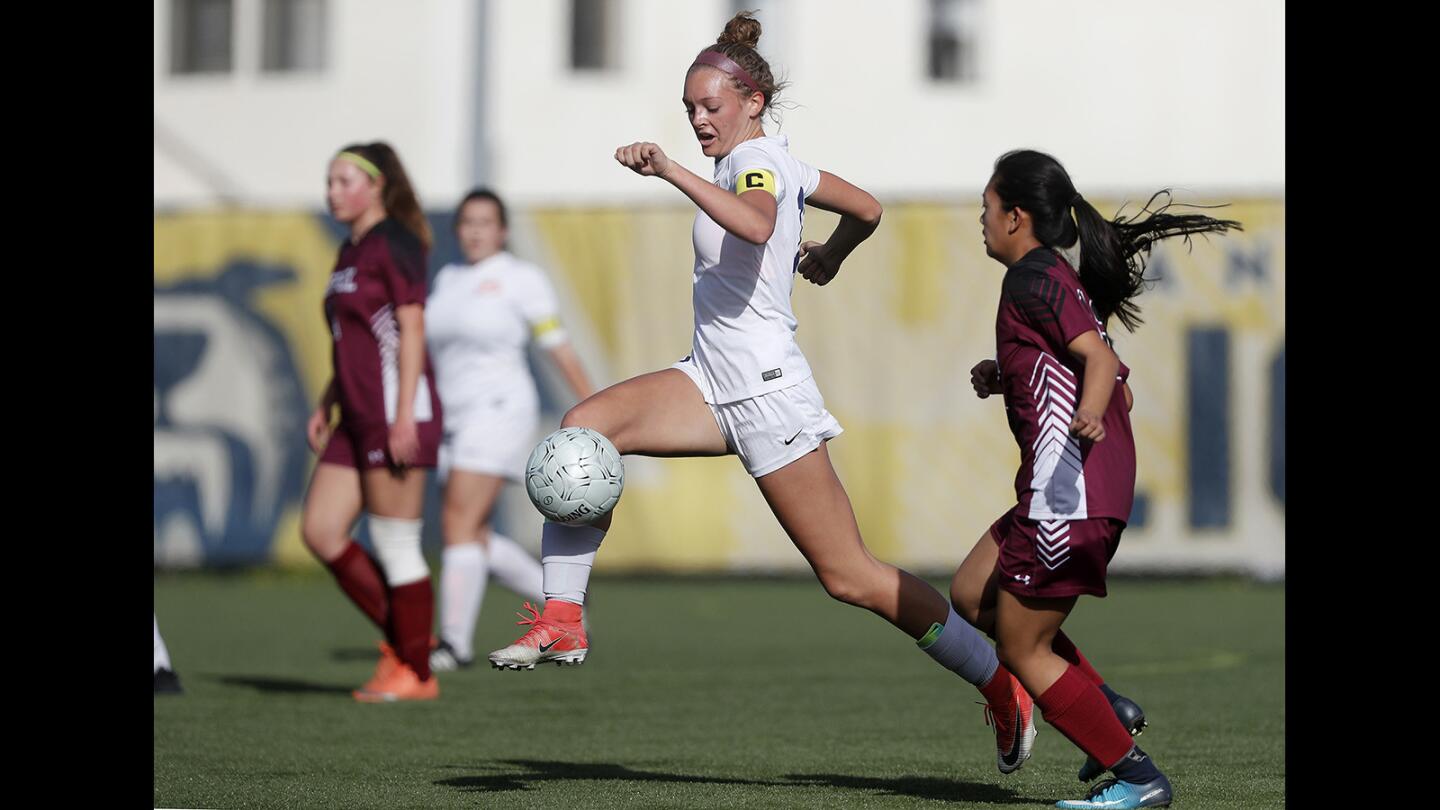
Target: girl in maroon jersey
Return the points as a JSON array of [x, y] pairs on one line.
[[1068, 404], [389, 428]]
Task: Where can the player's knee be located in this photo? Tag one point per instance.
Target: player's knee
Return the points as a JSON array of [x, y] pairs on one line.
[[581, 415], [323, 540], [455, 518], [459, 534], [397, 544], [597, 417], [591, 414], [966, 604], [1016, 656], [843, 586]]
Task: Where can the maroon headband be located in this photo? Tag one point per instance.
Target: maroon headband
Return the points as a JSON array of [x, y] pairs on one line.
[[719, 60]]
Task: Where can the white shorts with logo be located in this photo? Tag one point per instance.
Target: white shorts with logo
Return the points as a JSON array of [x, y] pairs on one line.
[[771, 430], [493, 441]]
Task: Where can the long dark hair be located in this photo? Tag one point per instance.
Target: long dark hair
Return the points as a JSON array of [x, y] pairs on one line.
[[1112, 252], [399, 196]]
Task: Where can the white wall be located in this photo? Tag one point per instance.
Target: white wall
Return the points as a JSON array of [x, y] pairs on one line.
[[1126, 93], [398, 72], [1129, 94]]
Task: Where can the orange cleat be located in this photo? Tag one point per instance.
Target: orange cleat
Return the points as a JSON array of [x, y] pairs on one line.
[[403, 684], [547, 640], [1014, 726], [384, 669]]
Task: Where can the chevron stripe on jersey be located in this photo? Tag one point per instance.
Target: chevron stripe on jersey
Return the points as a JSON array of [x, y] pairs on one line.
[[1058, 479], [387, 336], [1052, 543]]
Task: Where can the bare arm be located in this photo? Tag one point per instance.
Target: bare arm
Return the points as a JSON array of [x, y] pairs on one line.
[[859, 212], [749, 216], [317, 429], [411, 318], [404, 439], [1101, 365], [568, 362], [859, 217], [329, 397]]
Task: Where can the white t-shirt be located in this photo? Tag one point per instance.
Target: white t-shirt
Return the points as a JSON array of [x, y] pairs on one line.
[[478, 319], [744, 343]]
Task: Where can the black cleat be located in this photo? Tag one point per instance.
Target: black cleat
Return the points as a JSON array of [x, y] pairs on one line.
[[1132, 717], [167, 683], [444, 658]]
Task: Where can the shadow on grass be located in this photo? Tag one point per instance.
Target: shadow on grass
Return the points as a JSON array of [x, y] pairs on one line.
[[280, 685], [919, 787], [537, 772]]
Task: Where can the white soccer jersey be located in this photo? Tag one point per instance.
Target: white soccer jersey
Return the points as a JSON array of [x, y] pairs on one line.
[[744, 343], [478, 320]]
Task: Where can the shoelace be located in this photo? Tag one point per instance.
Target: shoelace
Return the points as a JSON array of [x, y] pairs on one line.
[[990, 718], [536, 621], [535, 616]]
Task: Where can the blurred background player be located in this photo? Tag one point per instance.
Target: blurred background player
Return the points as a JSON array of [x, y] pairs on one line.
[[478, 320], [747, 389], [1067, 403], [166, 681], [390, 417]]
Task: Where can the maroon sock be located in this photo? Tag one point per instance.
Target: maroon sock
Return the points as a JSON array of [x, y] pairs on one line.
[[412, 609], [361, 580], [561, 611], [1065, 648], [1078, 708]]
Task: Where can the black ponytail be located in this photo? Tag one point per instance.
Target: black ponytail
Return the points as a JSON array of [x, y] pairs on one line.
[[1112, 252]]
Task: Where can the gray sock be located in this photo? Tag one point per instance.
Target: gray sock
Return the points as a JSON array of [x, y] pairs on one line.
[[961, 649]]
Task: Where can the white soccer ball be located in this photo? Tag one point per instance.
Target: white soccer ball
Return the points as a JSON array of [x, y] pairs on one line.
[[574, 476]]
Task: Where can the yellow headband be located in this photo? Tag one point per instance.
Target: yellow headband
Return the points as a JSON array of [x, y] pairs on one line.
[[369, 168]]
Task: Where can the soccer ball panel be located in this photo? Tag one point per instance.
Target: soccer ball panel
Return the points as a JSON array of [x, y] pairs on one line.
[[574, 476]]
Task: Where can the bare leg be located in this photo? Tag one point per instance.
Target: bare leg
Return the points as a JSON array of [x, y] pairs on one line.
[[810, 503]]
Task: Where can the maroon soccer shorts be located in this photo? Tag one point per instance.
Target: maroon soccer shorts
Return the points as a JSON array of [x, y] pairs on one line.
[[1054, 558], [367, 447]]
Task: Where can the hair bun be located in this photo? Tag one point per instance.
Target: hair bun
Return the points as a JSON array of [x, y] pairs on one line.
[[742, 29]]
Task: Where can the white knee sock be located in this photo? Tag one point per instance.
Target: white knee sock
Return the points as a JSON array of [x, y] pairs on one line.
[[162, 655], [463, 576], [514, 568], [397, 544], [567, 554]]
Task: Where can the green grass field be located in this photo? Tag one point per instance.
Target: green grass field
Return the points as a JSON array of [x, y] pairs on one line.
[[698, 693]]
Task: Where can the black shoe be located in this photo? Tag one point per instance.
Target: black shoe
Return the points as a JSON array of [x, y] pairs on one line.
[[1132, 717], [444, 659], [167, 683]]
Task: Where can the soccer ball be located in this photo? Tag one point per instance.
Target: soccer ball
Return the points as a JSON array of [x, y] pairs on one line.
[[574, 476]]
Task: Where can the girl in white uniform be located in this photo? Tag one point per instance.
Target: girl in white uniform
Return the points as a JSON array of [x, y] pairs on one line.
[[746, 387], [479, 318], [166, 681]]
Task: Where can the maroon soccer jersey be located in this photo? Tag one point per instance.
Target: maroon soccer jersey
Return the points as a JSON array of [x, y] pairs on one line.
[[1043, 307], [384, 270]]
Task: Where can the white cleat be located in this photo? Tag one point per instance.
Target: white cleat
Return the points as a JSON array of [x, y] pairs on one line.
[[547, 640]]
